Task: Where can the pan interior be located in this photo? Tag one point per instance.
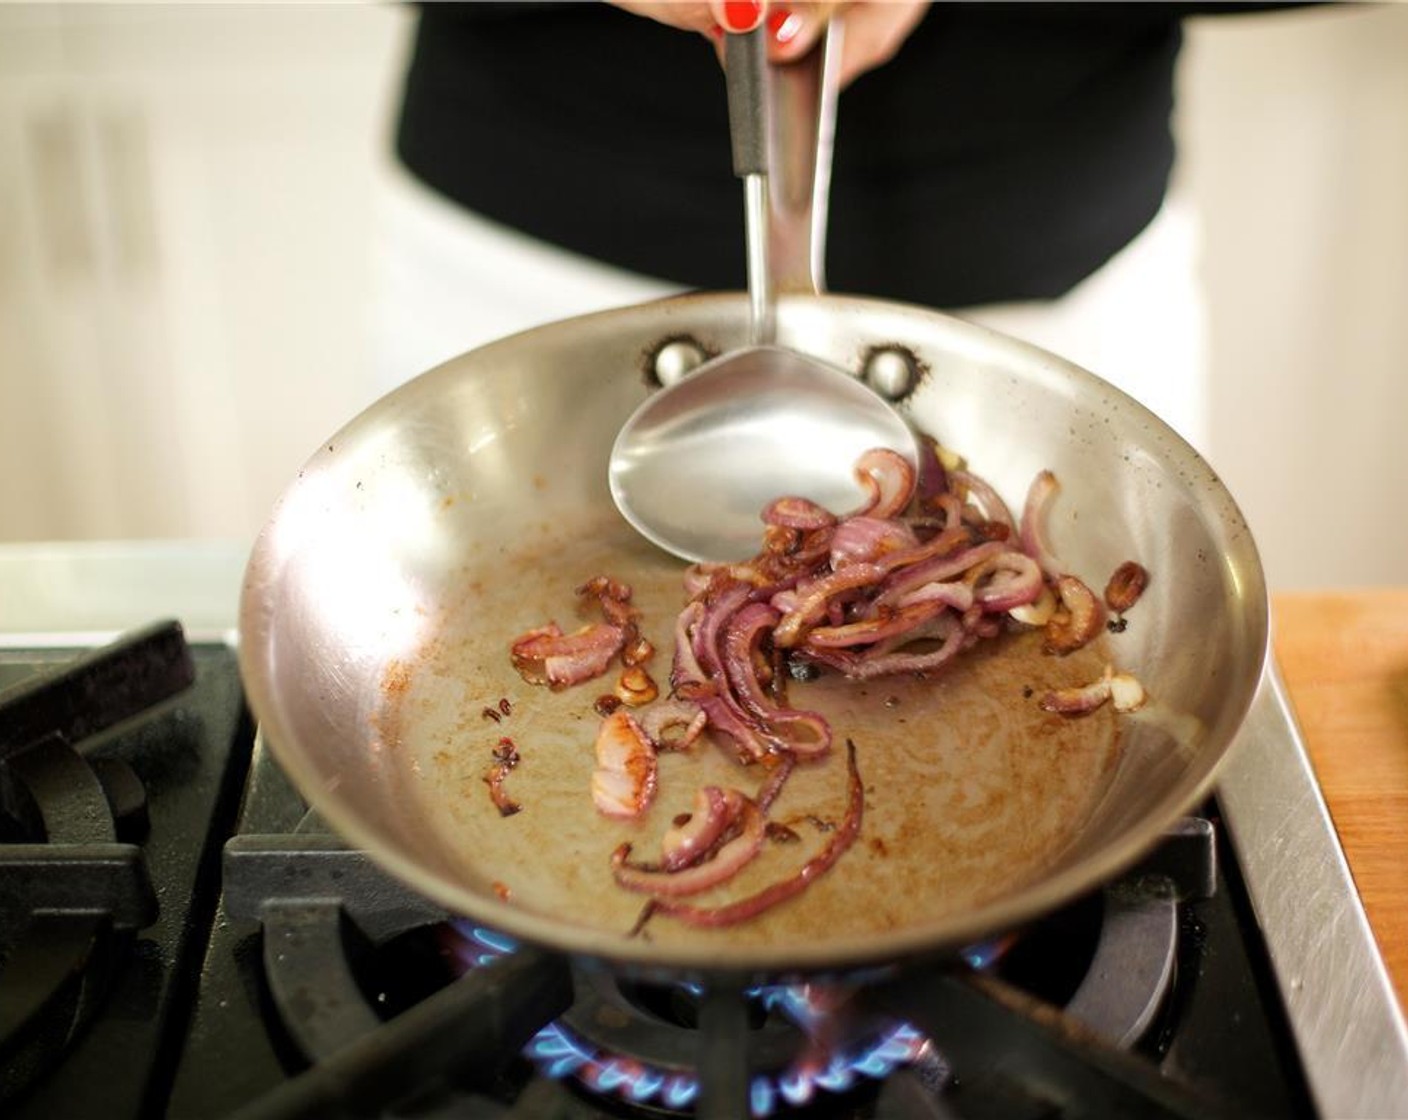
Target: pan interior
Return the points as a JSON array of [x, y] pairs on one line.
[[971, 790], [466, 508]]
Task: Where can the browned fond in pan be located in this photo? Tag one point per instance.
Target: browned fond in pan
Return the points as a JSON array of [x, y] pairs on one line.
[[970, 789]]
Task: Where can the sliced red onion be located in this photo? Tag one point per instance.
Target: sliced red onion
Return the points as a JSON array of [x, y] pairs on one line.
[[804, 733], [783, 763], [1034, 529], [1126, 692], [959, 596], [1126, 585], [985, 499], [932, 481], [688, 842], [719, 868], [494, 779], [860, 540], [753, 905], [625, 778], [943, 565], [1077, 700], [1079, 622], [686, 674], [806, 604], [636, 687], [798, 513], [888, 479], [1123, 691], [887, 625], [662, 718], [861, 668], [548, 656], [1038, 612], [1013, 579]]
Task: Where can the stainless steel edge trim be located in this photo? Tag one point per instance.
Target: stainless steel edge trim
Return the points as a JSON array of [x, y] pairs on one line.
[[87, 639], [1346, 1019]]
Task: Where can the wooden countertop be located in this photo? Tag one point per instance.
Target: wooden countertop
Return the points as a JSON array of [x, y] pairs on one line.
[[1344, 658]]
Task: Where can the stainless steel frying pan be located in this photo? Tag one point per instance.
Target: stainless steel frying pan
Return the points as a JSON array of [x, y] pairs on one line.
[[464, 508]]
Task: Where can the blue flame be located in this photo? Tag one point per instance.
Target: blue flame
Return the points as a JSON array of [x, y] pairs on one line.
[[558, 1053], [680, 1091]]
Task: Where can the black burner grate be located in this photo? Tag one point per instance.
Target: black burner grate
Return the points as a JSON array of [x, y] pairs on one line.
[[113, 767], [312, 907]]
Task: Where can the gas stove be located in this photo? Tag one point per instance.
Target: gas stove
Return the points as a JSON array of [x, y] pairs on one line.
[[181, 937]]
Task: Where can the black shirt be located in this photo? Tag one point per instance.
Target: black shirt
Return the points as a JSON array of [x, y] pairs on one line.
[[1006, 153]]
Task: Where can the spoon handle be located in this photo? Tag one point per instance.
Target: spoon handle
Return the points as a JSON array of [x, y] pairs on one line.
[[747, 79], [782, 124]]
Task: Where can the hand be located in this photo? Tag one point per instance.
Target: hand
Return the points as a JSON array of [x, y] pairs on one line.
[[875, 29]]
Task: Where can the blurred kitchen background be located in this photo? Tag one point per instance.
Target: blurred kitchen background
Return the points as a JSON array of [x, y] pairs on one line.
[[187, 221]]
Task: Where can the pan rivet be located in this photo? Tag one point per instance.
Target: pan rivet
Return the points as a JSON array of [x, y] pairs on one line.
[[891, 371], [675, 359]]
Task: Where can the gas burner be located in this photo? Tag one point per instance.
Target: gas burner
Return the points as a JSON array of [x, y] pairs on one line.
[[350, 961], [640, 1042]]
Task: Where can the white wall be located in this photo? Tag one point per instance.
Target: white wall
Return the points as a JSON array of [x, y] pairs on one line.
[[184, 255], [1294, 131], [185, 236]]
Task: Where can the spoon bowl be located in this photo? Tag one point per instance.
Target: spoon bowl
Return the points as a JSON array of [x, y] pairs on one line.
[[696, 463]]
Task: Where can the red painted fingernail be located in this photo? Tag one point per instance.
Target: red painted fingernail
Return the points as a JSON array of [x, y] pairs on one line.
[[783, 26], [742, 15]]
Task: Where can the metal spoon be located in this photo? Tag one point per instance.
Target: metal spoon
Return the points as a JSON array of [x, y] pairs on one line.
[[696, 463]]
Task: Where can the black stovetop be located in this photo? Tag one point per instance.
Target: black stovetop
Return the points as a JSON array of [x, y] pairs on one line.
[[294, 978]]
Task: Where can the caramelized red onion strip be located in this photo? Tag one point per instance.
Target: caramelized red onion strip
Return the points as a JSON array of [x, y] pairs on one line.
[[888, 624], [663, 717], [1125, 586], [545, 655], [888, 479], [860, 667], [938, 568], [864, 539], [932, 481], [987, 501], [625, 779], [691, 840], [1013, 579], [783, 764], [1079, 622], [725, 714], [805, 605], [730, 858], [1077, 700], [804, 733], [750, 907], [494, 779], [798, 513], [1034, 530]]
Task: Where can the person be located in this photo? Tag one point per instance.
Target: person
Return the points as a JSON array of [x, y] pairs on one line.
[[1009, 163]]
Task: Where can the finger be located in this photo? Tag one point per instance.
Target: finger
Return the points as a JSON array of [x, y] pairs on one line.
[[794, 28], [874, 34], [738, 16]]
